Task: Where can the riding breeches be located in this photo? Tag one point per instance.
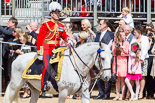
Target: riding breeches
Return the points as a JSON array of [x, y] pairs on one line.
[[47, 66]]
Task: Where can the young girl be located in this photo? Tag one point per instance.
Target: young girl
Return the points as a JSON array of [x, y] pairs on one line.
[[126, 16], [134, 71], [120, 47]]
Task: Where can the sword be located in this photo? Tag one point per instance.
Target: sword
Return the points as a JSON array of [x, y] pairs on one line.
[[93, 86], [97, 77]]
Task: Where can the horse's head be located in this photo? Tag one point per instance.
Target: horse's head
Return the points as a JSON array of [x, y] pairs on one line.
[[103, 61]]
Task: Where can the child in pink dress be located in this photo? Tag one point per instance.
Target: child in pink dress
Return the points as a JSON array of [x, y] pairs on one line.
[[134, 71], [120, 48]]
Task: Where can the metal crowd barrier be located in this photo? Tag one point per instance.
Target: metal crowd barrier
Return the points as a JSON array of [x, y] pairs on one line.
[[1, 39]]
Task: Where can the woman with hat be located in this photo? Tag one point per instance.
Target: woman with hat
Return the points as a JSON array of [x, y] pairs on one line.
[[134, 70]]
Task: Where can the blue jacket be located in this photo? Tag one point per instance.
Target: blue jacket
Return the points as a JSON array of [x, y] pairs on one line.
[[106, 38], [6, 33]]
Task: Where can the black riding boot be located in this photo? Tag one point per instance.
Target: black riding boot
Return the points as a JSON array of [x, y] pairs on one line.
[[45, 87], [47, 73]]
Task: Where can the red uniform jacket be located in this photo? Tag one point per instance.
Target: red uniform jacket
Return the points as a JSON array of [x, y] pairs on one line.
[[49, 36]]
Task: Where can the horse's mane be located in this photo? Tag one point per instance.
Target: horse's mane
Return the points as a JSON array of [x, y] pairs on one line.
[[91, 46], [87, 47]]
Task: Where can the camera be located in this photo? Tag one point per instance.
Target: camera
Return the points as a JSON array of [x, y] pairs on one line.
[[150, 34], [27, 26], [117, 45]]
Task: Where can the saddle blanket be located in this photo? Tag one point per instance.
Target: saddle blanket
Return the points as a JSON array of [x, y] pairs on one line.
[[35, 67]]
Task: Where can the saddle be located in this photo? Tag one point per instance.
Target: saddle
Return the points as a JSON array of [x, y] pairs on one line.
[[34, 68]]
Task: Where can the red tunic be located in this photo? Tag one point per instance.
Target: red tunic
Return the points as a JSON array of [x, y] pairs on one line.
[[49, 36]]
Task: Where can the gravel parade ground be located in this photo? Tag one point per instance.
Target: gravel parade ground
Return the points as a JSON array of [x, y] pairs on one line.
[[94, 93]]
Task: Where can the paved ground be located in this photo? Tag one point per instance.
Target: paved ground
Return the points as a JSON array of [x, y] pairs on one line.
[[55, 99]]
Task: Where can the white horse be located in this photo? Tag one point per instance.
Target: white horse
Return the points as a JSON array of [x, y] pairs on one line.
[[69, 82]]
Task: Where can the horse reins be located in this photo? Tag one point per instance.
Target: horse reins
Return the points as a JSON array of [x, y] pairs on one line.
[[72, 48], [80, 76]]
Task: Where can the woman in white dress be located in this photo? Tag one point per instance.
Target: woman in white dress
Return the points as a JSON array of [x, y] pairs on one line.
[[143, 41]]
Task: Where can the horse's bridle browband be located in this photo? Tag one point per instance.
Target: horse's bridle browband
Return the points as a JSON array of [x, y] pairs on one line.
[[99, 60]]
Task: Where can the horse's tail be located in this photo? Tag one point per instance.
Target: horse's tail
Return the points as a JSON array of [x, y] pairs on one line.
[[9, 96]]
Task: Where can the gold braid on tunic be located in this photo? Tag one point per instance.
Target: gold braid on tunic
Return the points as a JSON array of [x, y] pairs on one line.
[[55, 30]]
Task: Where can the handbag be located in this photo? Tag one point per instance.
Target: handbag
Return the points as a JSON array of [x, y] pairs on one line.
[[114, 76]]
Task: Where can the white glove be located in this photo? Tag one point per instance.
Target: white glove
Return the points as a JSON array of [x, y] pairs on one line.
[[40, 57], [70, 42]]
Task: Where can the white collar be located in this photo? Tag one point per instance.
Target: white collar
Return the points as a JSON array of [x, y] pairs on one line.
[[104, 31], [102, 34]]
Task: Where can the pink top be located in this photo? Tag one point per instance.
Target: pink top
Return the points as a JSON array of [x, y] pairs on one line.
[[121, 60], [132, 67]]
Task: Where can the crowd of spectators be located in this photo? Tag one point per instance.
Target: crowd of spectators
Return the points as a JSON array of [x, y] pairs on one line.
[[109, 6], [128, 39]]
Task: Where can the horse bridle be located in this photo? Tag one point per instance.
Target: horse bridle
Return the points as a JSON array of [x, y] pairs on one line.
[[80, 76], [99, 59]]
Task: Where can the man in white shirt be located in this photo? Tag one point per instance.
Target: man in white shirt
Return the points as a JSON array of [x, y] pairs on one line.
[[105, 36], [129, 36]]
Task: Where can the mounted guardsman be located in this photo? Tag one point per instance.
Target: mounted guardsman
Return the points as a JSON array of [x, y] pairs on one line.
[[49, 38]]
